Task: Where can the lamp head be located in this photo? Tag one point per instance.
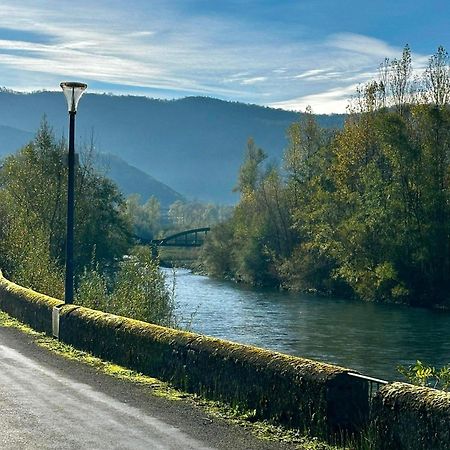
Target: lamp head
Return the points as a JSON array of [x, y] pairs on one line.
[[73, 91]]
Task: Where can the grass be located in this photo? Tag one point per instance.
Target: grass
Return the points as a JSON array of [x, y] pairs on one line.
[[232, 414]]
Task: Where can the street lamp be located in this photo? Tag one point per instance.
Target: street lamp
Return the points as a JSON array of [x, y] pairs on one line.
[[73, 92]]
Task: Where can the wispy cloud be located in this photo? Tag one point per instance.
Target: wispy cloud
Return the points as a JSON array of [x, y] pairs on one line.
[[167, 49], [253, 80], [312, 73], [356, 43], [326, 102]]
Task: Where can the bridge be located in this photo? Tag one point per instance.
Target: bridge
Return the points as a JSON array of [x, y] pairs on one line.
[[188, 238]]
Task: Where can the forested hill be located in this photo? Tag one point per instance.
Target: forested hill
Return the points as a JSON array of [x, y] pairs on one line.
[[195, 145], [131, 180]]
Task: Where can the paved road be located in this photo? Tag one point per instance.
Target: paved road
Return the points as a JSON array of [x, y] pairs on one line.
[[49, 402]]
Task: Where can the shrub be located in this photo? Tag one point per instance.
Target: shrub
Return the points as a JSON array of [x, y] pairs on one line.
[[138, 290]]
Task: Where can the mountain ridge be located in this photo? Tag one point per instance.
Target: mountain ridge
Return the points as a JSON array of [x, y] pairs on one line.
[[195, 145]]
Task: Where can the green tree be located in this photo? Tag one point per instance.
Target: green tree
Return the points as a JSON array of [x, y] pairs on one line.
[[33, 192], [365, 210], [250, 170], [247, 246], [146, 218], [217, 253]]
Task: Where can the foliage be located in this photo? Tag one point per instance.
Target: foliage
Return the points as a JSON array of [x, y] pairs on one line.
[[217, 254], [146, 218], [24, 253], [185, 215], [365, 210], [137, 290], [33, 228], [245, 247], [140, 290], [33, 186], [422, 374]]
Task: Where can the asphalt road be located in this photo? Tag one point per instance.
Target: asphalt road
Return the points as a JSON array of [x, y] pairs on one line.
[[49, 402]]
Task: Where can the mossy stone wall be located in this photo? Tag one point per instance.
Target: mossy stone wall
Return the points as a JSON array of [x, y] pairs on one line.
[[298, 392], [26, 305], [407, 417], [313, 396]]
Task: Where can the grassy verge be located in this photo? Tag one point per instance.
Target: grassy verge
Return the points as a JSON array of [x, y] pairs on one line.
[[232, 414]]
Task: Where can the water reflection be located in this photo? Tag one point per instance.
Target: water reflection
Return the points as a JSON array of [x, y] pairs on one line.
[[372, 338]]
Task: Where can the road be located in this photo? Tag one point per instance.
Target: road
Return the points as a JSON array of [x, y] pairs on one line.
[[50, 402]]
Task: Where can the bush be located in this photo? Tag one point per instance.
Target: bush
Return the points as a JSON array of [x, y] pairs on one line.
[[422, 374], [138, 290]]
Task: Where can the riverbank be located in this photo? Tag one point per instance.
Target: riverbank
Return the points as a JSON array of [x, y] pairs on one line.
[[189, 259]]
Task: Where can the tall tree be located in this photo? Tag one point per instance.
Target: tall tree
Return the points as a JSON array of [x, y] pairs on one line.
[[399, 80], [33, 187], [250, 170], [437, 77]]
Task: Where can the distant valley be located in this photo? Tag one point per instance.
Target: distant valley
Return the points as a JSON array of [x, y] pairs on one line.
[[194, 145]]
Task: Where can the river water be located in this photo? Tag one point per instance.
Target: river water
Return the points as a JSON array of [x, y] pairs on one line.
[[371, 338]]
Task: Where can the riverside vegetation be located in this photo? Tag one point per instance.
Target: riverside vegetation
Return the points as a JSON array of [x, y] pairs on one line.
[[363, 211], [112, 273]]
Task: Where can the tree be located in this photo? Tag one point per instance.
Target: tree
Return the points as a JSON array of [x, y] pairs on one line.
[[305, 139], [399, 80], [250, 170], [33, 186], [365, 210], [146, 218], [437, 77], [217, 253]]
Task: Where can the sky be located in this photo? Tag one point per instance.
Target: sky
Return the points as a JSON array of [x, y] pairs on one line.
[[281, 53]]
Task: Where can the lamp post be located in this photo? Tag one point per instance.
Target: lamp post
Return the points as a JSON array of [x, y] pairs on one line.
[[73, 92]]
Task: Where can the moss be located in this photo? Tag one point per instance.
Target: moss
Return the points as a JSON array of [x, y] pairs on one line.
[[218, 347], [235, 415], [30, 307], [8, 287], [297, 392], [290, 390], [159, 388], [412, 417]]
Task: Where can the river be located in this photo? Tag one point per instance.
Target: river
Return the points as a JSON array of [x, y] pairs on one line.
[[371, 338]]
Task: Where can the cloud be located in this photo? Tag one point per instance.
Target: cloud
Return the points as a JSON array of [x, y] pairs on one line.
[[166, 55], [253, 80], [356, 43], [174, 50], [331, 101], [280, 70], [141, 33], [310, 73]]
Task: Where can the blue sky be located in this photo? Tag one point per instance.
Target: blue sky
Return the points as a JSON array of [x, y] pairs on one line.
[[283, 53]]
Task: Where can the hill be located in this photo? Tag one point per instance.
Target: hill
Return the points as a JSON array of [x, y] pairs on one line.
[[11, 139], [132, 180], [194, 145]]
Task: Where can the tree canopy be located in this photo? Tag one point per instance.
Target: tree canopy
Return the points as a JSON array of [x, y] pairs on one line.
[[33, 186], [363, 211]]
